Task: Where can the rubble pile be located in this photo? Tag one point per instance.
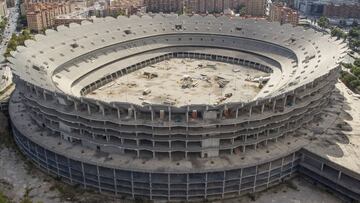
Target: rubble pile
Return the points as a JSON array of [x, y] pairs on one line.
[[149, 75], [187, 82], [222, 82]]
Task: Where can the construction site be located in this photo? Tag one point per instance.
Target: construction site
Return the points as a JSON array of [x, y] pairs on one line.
[[179, 108]]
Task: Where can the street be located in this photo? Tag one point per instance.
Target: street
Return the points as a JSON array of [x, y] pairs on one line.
[[13, 14]]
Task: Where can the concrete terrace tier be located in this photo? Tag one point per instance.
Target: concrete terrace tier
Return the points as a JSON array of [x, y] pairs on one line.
[[184, 81]]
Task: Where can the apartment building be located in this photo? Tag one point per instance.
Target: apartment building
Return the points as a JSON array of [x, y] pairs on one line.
[[253, 7], [42, 15], [283, 14]]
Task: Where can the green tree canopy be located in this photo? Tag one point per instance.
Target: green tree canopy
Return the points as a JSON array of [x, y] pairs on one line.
[[323, 22]]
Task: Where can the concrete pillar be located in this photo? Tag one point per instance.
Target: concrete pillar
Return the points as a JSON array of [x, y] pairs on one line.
[[187, 115], [118, 113], [83, 173], [240, 180], [339, 176], [162, 114], [187, 186], [223, 185], [292, 162], [132, 184], [102, 109], [46, 159], [256, 171], [268, 178], [69, 169], [294, 100], [250, 110], [98, 177], [206, 184], [150, 184], [274, 105], [76, 106], [115, 181], [169, 109], [44, 95], [262, 108], [237, 112], [89, 109]]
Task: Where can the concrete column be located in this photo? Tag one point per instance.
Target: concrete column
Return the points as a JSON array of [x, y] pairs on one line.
[[115, 182], [262, 108], [69, 168], [187, 186], [98, 177], [46, 159], [152, 115], [206, 184], [294, 100], [89, 109], [37, 155], [150, 184], [134, 114], [250, 111], [118, 112], [75, 106], [132, 185], [223, 186], [102, 109], [240, 180], [274, 104], [339, 176], [83, 174], [237, 112], [168, 186], [187, 115], [44, 95], [282, 165], [256, 171], [268, 179], [292, 162], [169, 109]]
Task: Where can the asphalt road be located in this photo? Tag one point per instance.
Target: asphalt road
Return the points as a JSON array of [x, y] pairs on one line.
[[13, 14]]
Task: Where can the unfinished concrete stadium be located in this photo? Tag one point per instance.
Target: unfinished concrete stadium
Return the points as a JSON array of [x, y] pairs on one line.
[[176, 108]]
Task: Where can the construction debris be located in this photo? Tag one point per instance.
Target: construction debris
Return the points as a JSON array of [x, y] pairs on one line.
[[149, 75], [222, 82], [146, 91], [131, 84], [187, 82], [228, 95]]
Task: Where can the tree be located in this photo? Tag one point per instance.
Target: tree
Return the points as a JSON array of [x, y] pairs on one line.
[[355, 23], [354, 32], [356, 71], [354, 84], [17, 40], [323, 22], [337, 32], [357, 62]]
